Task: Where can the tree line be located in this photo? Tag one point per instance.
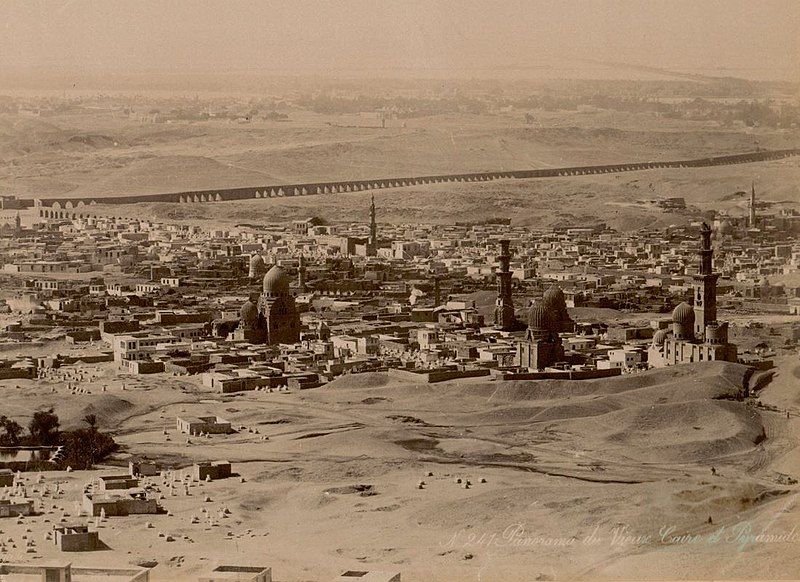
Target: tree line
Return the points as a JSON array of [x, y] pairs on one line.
[[83, 447]]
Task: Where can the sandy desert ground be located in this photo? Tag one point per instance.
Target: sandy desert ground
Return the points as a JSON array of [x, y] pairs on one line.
[[609, 479], [104, 153]]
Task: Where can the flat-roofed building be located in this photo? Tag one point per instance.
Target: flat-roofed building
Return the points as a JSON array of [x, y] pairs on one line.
[[228, 573], [203, 424], [368, 576], [65, 572]]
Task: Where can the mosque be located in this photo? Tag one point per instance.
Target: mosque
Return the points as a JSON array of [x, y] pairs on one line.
[[696, 335], [542, 346], [272, 317]]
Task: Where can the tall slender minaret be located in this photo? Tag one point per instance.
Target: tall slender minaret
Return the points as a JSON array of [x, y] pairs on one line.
[[373, 227], [301, 275], [752, 219], [705, 286], [504, 306]]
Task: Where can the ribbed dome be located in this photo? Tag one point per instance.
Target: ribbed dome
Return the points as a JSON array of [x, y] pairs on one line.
[[248, 314], [553, 298], [659, 337], [683, 313], [276, 282], [540, 318]]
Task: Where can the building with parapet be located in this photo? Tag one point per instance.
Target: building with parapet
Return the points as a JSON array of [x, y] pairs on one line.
[[65, 572], [229, 573], [368, 576]]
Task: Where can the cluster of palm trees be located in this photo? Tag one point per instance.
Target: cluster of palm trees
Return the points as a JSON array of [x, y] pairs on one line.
[[43, 429]]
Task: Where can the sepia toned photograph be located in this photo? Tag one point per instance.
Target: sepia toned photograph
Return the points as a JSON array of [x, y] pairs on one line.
[[399, 290]]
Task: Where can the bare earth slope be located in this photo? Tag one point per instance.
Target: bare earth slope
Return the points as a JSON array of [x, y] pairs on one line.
[[568, 479]]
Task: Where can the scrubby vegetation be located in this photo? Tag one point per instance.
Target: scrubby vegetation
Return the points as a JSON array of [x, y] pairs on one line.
[[83, 447]]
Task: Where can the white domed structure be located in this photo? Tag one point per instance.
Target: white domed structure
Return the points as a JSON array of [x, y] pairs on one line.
[[276, 282]]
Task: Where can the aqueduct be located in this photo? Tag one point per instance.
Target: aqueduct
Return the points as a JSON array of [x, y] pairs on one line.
[[54, 208]]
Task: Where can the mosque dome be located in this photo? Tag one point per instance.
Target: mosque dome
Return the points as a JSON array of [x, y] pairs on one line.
[[248, 314], [256, 261], [554, 299], [659, 337], [683, 314], [541, 318], [276, 282], [257, 266], [725, 228]]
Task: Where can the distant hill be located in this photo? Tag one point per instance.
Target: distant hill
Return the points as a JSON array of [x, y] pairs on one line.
[[171, 174]]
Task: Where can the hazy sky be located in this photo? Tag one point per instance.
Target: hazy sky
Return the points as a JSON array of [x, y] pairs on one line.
[[421, 35]]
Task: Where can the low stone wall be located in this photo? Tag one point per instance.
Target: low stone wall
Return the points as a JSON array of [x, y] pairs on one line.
[[433, 376], [9, 373], [560, 374]]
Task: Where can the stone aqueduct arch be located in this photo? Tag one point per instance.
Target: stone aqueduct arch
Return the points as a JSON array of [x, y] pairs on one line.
[[64, 209]]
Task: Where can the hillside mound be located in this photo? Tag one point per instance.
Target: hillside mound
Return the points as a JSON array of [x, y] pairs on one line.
[[359, 381], [161, 174], [702, 380], [110, 411], [695, 431]]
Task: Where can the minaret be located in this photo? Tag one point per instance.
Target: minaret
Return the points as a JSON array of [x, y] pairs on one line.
[[373, 228], [17, 225], [705, 286], [504, 307], [437, 292], [752, 220], [301, 275]]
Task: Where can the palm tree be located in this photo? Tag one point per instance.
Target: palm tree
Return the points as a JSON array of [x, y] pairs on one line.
[[91, 420], [12, 431]]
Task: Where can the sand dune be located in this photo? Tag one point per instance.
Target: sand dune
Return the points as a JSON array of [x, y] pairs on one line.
[[561, 460], [171, 174]]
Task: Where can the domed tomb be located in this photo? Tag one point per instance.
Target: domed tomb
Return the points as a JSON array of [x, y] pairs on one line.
[[683, 313], [257, 267], [659, 337], [248, 315], [683, 322], [555, 302], [541, 319], [276, 282]]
